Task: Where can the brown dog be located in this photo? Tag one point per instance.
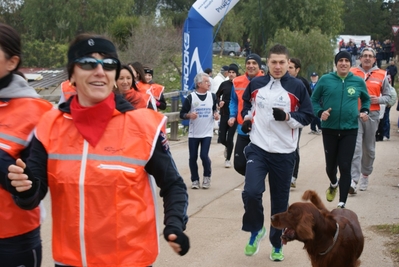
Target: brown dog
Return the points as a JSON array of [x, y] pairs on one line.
[[331, 238]]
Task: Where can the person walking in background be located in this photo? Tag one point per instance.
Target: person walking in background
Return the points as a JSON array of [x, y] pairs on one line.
[[275, 107], [222, 76], [200, 108], [20, 111], [98, 170], [314, 78], [156, 89], [392, 70], [252, 70], [247, 47], [294, 67], [378, 88], [226, 133], [340, 92]]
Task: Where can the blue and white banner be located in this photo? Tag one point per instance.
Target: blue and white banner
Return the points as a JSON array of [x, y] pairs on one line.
[[198, 37]]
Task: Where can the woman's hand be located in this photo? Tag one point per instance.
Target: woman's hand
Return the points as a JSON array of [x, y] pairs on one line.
[[17, 176]]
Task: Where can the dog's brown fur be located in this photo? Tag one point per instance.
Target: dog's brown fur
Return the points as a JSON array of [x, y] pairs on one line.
[[315, 226]]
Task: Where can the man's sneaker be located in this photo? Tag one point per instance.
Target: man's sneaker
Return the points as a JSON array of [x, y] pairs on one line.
[[207, 182], [363, 183], [318, 132], [331, 192], [312, 132], [252, 246], [341, 205], [385, 138], [353, 188], [225, 153], [227, 164], [293, 182], [277, 254], [195, 185]]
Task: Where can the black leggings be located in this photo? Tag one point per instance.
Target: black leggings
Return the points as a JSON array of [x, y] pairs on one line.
[[31, 258], [339, 147], [226, 135]]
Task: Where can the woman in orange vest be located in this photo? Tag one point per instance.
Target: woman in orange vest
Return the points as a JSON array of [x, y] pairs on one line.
[[20, 111], [125, 85], [156, 89], [96, 154]]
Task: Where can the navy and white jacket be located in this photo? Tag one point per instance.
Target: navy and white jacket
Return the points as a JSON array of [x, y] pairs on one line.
[[288, 93]]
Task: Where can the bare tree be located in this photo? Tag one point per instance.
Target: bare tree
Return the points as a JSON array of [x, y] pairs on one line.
[[153, 42]]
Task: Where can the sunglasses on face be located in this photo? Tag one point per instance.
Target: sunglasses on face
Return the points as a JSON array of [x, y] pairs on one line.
[[90, 63]]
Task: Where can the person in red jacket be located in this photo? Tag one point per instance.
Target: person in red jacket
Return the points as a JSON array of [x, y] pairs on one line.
[[20, 111], [97, 154]]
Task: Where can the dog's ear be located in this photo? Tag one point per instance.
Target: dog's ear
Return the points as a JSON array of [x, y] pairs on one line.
[[304, 229]]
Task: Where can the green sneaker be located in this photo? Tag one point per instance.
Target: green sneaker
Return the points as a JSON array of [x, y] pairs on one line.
[[330, 193], [277, 254], [252, 249]]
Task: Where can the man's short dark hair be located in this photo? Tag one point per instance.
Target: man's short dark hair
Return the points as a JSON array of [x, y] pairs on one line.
[[296, 61], [279, 50]]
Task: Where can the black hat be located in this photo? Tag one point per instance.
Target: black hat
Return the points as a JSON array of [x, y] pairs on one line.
[[314, 74], [224, 68], [234, 68], [343, 54], [150, 71], [256, 58], [208, 70]]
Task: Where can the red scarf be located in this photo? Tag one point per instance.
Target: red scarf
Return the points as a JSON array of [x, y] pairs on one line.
[[91, 122]]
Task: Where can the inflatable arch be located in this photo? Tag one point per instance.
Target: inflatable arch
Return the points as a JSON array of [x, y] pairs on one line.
[[198, 37]]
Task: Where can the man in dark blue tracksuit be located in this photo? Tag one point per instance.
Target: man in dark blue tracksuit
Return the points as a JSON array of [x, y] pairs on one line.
[[276, 106]]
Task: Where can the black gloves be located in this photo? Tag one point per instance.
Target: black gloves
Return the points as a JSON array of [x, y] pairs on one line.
[[246, 126], [181, 239], [279, 115]]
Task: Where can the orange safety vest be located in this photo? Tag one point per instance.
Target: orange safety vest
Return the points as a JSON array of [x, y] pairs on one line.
[[102, 198], [157, 90], [374, 81], [18, 118], [146, 88], [240, 83], [68, 89], [137, 99]]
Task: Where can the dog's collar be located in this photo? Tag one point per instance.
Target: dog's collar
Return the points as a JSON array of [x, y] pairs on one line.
[[334, 240]]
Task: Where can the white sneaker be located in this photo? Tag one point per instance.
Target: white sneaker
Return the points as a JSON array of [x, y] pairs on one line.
[[385, 138], [206, 183], [353, 188], [195, 185], [363, 183], [293, 182], [227, 164]]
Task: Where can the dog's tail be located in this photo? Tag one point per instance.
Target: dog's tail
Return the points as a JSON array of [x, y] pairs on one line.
[[314, 198]]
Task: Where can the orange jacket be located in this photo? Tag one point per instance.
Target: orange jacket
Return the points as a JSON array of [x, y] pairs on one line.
[[240, 83], [18, 117], [102, 197], [157, 90], [373, 81], [68, 89]]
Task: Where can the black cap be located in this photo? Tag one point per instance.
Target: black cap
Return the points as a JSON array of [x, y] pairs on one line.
[[314, 74], [343, 54], [256, 58], [234, 68]]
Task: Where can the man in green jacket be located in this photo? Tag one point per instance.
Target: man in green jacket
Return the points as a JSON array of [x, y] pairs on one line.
[[339, 93]]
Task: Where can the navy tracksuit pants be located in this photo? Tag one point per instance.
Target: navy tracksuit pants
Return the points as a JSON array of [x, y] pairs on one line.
[[259, 164]]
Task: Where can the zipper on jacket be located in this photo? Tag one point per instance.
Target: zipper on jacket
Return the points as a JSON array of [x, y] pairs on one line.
[[82, 203], [342, 97]]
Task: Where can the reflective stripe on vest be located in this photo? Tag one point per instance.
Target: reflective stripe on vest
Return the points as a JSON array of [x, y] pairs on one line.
[[102, 198]]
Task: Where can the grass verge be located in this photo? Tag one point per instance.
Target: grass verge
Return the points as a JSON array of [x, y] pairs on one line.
[[392, 231]]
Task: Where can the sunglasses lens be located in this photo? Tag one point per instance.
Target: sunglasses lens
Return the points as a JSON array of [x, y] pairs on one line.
[[89, 63], [110, 64]]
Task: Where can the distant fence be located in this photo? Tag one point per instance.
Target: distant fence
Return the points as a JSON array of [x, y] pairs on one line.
[[173, 116]]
